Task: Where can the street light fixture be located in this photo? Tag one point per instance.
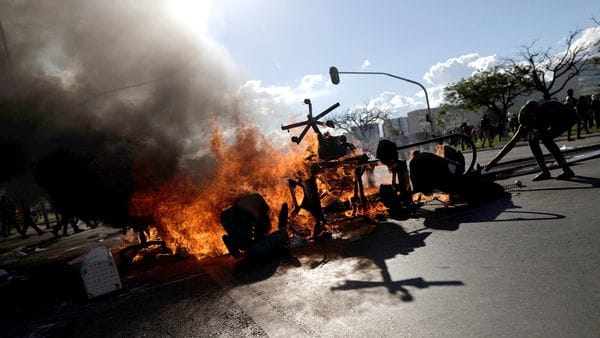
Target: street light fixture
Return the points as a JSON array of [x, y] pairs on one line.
[[334, 74]]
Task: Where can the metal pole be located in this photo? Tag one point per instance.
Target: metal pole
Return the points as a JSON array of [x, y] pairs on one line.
[[447, 137], [4, 43], [404, 79]]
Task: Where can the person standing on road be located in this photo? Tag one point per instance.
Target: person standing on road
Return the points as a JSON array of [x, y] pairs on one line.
[[596, 109], [541, 122], [583, 115], [487, 131], [571, 102]]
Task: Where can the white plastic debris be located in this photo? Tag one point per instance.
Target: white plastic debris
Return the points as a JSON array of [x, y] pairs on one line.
[[565, 147], [99, 273]]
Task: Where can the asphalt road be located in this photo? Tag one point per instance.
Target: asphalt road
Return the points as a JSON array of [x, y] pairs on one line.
[[522, 150], [525, 265]]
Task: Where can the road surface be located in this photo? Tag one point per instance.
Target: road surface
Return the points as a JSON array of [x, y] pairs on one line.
[[525, 265]]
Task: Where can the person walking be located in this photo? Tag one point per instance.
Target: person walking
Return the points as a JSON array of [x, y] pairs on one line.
[[8, 215], [28, 219]]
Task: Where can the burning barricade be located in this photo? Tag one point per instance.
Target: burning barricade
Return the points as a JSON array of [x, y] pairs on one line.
[[428, 172], [233, 208], [333, 181]]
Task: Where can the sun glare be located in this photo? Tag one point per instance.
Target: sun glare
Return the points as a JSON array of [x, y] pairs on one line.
[[193, 13]]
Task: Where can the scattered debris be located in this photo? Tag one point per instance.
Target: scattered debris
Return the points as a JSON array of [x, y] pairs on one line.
[[297, 241], [99, 273], [20, 253], [565, 147], [247, 224]]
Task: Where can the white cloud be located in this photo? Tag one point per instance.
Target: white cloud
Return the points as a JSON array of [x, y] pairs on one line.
[[484, 63], [457, 68], [271, 106], [366, 64], [436, 96], [588, 37], [309, 82], [453, 70], [392, 103]]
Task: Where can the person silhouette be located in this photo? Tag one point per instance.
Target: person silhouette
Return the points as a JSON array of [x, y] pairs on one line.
[[571, 102], [541, 122], [28, 219]]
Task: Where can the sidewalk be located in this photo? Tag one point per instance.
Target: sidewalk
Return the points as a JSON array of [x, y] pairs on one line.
[[521, 150], [588, 139]]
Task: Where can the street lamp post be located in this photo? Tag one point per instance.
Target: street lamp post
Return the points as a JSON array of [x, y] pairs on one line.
[[335, 79]]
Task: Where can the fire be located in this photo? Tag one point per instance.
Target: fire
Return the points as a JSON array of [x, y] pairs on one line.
[[422, 198], [187, 212]]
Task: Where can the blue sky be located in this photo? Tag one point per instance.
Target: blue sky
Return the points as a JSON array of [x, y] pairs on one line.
[[280, 42]]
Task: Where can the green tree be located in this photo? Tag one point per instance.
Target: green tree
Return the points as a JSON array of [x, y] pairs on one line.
[[494, 89], [449, 119]]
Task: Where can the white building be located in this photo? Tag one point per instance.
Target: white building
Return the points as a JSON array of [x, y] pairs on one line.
[[589, 79]]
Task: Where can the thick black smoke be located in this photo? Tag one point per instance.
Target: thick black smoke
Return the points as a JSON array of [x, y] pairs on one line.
[[72, 114]]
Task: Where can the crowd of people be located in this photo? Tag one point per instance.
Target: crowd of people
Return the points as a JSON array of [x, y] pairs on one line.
[[484, 132], [21, 216], [586, 107]]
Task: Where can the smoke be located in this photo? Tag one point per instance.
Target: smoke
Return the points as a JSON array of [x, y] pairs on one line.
[[100, 97]]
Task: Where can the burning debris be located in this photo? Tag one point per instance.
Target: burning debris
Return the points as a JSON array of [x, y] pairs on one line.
[[324, 184], [188, 211], [429, 172], [334, 179], [248, 226]]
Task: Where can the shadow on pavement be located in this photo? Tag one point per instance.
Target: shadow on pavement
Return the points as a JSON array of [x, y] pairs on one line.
[[450, 218], [379, 241], [255, 269], [386, 242], [396, 286], [592, 182]]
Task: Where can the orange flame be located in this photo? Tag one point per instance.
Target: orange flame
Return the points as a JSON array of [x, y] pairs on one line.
[[187, 212]]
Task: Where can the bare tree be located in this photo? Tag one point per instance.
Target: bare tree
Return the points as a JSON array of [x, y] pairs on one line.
[[361, 122], [547, 72]]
